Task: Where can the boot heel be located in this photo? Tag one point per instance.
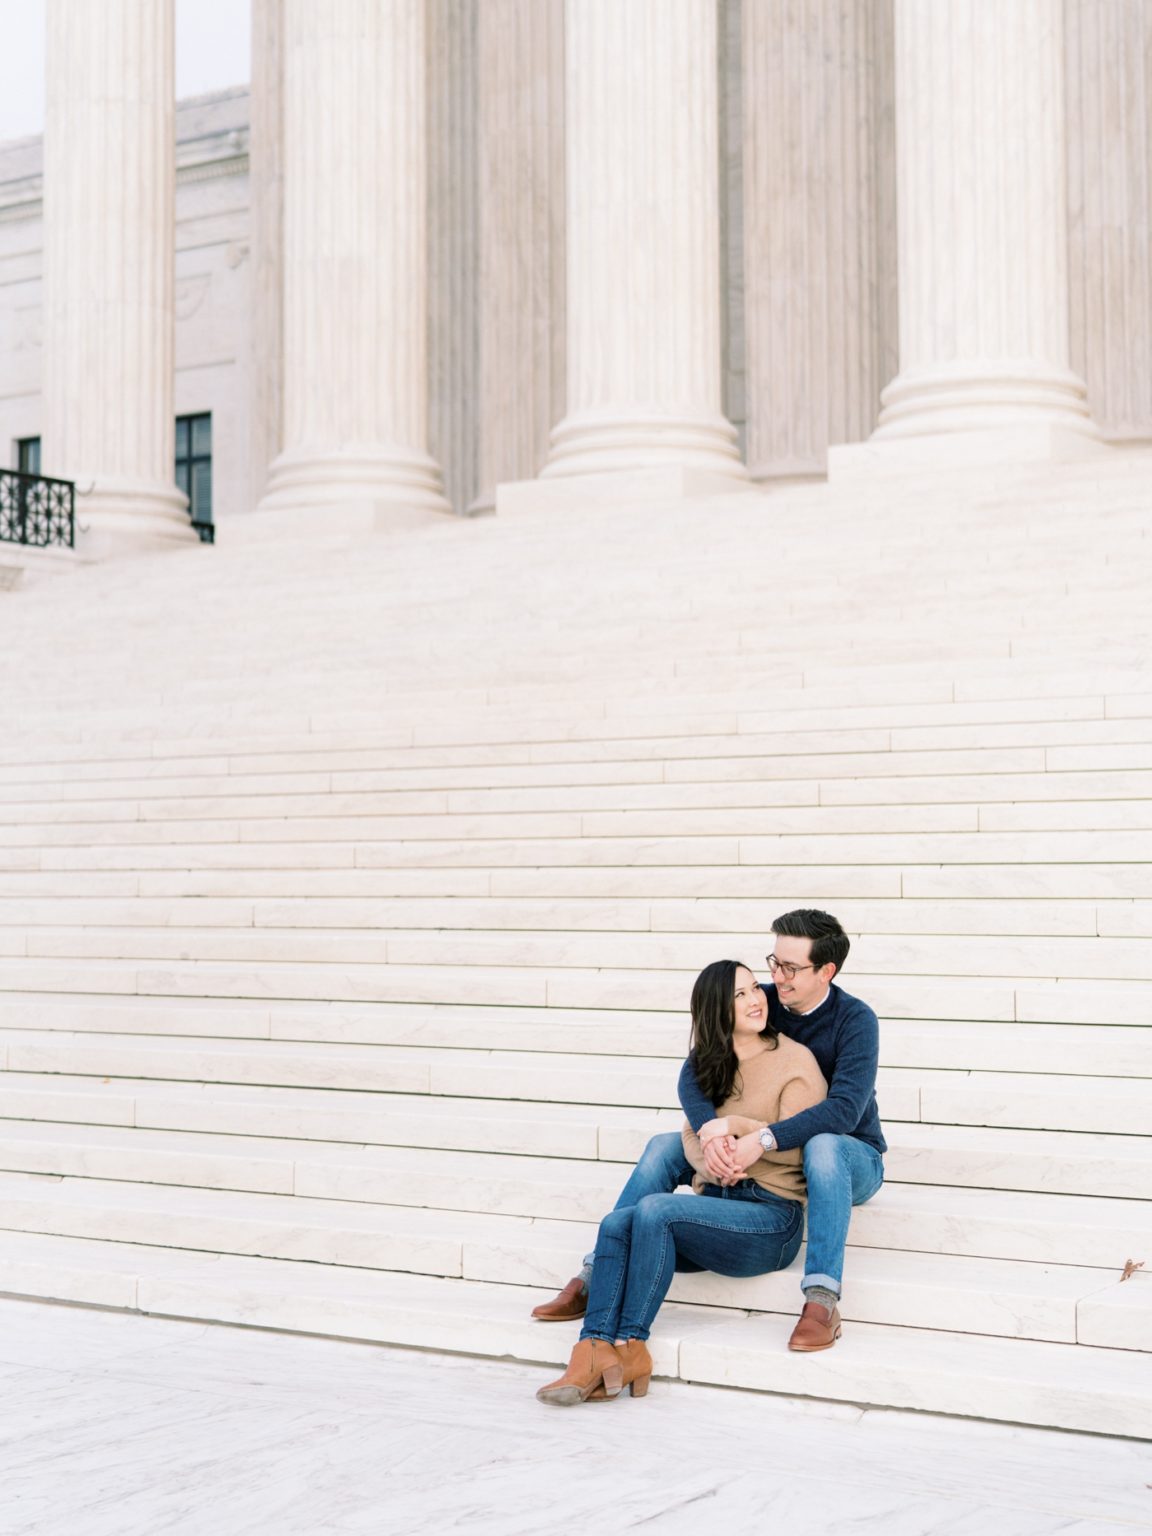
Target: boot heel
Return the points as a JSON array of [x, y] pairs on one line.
[[639, 1387], [613, 1380]]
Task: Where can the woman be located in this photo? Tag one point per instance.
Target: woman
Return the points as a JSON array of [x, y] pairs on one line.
[[756, 1077]]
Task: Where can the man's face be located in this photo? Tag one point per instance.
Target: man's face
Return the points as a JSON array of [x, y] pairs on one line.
[[808, 986]]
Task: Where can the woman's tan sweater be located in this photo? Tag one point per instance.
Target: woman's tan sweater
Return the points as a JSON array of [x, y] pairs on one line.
[[768, 1088]]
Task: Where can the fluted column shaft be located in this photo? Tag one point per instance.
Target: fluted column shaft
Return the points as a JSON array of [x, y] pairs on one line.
[[109, 278], [642, 240], [453, 394], [355, 407], [1109, 105], [521, 229], [266, 266], [981, 220]]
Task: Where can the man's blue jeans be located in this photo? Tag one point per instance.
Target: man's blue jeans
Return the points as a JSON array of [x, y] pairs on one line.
[[841, 1172], [740, 1231]]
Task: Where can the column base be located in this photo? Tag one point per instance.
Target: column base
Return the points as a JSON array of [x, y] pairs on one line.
[[395, 477], [328, 521], [119, 516], [596, 444], [520, 498], [961, 450]]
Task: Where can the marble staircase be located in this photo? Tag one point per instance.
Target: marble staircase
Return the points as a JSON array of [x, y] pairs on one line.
[[351, 895]]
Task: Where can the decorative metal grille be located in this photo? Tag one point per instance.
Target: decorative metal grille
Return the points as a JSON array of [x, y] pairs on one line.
[[37, 510]]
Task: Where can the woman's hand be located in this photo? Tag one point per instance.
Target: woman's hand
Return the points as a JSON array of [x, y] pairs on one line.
[[710, 1128], [720, 1160]]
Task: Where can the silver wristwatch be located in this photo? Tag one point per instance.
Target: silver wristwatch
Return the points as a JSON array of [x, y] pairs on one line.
[[767, 1140]]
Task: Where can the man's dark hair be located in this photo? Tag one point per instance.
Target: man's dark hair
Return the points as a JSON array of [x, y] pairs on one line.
[[830, 944]]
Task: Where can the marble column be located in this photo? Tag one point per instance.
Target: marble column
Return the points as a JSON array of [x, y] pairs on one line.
[[819, 228], [109, 277], [521, 238], [355, 406], [266, 265], [643, 260], [1109, 108], [454, 398], [982, 230]]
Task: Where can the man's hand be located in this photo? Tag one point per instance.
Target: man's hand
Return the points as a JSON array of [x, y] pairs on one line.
[[747, 1150], [720, 1160], [721, 1127]]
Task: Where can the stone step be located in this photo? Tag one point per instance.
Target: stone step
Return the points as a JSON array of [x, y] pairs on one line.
[[438, 715], [892, 996], [573, 1079], [342, 820], [1061, 1385], [361, 794], [874, 783], [1042, 918], [320, 844], [965, 1045], [1058, 1162], [1055, 887], [1020, 1100], [1071, 1386], [813, 729], [1008, 1101], [993, 1297], [346, 1115], [911, 730], [1027, 1228], [877, 777], [774, 807], [1023, 1161], [1072, 957]]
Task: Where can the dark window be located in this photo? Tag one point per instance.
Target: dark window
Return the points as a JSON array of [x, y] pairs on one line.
[[194, 470], [28, 455]]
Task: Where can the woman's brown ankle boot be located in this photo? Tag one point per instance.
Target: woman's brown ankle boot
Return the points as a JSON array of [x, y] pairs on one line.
[[635, 1368], [594, 1364], [636, 1364]]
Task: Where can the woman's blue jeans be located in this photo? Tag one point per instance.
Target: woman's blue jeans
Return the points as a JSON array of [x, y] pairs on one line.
[[841, 1172], [740, 1231]]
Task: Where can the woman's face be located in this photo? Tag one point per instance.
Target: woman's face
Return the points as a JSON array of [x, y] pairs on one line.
[[749, 1005]]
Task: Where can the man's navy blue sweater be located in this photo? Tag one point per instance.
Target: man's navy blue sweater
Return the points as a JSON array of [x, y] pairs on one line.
[[844, 1037]]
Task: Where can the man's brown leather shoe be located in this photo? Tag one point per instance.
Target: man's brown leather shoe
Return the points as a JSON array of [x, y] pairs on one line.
[[571, 1303], [818, 1328]]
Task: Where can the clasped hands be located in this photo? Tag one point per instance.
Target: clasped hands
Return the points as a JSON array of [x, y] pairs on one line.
[[728, 1156]]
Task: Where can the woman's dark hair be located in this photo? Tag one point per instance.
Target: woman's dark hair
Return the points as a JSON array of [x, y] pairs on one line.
[[713, 1022]]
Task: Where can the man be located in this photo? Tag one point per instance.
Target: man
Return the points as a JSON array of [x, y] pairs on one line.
[[842, 1140]]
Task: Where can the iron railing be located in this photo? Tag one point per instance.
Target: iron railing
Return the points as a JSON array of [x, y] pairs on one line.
[[37, 510]]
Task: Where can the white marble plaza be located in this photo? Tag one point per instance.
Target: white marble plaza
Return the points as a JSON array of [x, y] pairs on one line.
[[130, 1426]]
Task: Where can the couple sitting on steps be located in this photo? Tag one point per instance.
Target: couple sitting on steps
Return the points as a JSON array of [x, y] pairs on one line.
[[779, 1091]]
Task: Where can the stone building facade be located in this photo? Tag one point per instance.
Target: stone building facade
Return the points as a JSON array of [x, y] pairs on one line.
[[446, 245]]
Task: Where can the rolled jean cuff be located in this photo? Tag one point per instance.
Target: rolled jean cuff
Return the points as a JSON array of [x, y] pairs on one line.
[[826, 1282]]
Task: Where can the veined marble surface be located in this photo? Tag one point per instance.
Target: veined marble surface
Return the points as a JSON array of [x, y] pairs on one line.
[[119, 1425]]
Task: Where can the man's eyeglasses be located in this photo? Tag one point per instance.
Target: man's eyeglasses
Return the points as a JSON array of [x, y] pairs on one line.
[[786, 968]]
